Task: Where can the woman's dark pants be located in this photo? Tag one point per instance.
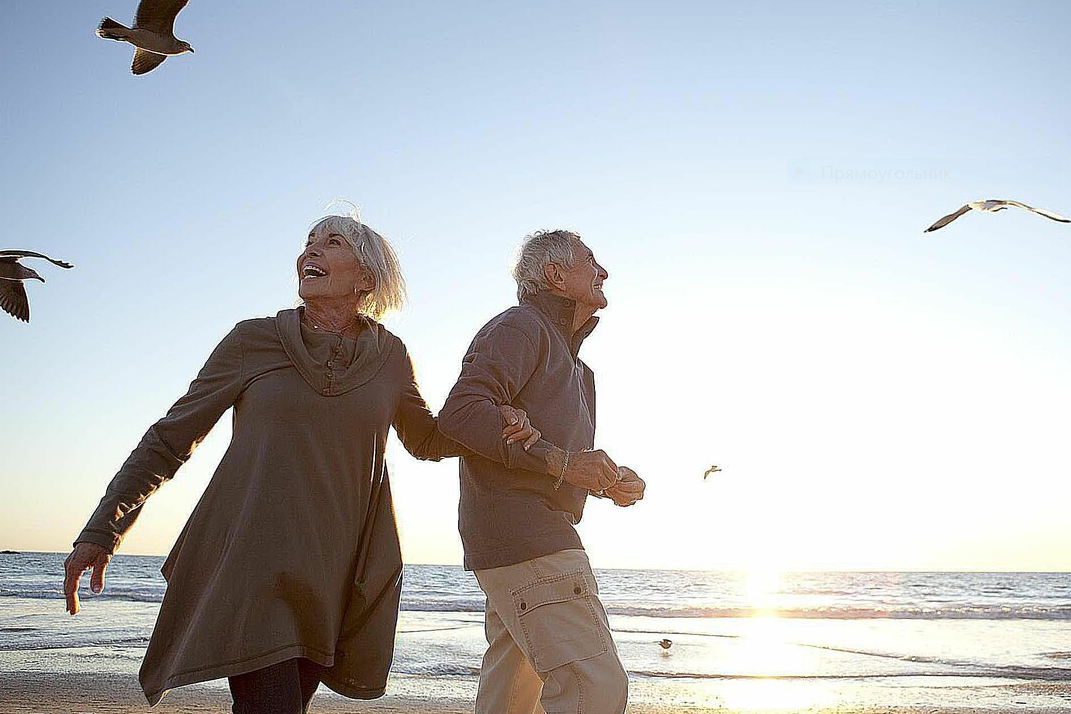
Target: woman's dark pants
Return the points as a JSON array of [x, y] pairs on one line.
[[284, 688]]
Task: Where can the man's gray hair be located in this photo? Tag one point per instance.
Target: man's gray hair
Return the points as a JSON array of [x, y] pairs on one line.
[[375, 253], [536, 252]]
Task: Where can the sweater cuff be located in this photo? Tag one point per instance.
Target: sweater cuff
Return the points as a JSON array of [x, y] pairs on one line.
[[535, 459]]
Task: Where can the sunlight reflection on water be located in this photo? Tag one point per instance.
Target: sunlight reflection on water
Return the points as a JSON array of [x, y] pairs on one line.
[[765, 653]]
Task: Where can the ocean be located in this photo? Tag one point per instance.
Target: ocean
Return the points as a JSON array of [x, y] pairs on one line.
[[795, 641]]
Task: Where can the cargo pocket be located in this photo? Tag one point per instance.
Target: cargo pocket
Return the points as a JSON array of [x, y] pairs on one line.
[[559, 621]]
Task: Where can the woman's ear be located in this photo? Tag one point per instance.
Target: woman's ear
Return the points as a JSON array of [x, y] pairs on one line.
[[366, 281]]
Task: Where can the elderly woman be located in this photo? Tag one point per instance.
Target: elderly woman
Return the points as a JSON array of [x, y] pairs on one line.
[[288, 572]]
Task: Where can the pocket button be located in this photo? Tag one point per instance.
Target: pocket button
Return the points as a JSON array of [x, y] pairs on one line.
[[524, 606], [577, 590]]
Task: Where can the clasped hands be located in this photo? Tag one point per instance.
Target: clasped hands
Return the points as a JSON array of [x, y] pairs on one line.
[[591, 470], [597, 472]]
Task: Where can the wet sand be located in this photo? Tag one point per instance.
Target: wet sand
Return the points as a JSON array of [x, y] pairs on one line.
[[42, 693]]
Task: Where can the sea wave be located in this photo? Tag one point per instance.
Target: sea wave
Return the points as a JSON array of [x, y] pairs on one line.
[[437, 669], [953, 612], [950, 611], [1039, 674], [110, 593], [54, 641]]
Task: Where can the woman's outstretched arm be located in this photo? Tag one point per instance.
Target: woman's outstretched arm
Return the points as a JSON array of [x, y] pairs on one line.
[[165, 447]]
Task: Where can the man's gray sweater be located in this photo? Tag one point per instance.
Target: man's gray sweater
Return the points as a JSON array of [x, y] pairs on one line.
[[525, 357]]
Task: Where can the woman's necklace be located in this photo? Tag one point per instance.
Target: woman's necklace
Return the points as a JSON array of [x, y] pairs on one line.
[[340, 331]]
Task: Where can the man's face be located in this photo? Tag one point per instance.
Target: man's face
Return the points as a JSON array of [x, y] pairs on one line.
[[583, 282]]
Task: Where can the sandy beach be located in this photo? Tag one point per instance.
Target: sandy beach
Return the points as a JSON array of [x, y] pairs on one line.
[[34, 693]]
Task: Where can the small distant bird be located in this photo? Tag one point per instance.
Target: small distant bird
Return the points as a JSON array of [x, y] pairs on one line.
[[665, 644], [712, 470], [12, 293], [992, 206], [153, 33]]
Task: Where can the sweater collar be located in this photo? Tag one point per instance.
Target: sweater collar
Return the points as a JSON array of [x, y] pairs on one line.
[[560, 309], [373, 350]]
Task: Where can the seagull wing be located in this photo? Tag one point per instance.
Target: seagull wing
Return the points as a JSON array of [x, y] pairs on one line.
[[31, 254], [947, 219], [145, 61], [1053, 216], [158, 15], [1040, 212], [13, 299]]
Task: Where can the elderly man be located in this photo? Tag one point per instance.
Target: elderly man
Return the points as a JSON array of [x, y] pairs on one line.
[[549, 641]]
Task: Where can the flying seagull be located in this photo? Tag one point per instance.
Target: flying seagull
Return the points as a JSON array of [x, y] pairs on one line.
[[992, 206], [712, 470], [12, 273], [153, 33]]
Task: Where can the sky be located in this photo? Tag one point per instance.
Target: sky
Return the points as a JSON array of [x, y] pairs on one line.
[[756, 177]]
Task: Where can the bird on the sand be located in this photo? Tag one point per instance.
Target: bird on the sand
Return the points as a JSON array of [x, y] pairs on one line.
[[153, 33], [712, 470], [12, 293], [665, 644], [992, 206]]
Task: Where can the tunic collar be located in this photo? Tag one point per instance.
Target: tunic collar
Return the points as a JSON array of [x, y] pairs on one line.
[[373, 351]]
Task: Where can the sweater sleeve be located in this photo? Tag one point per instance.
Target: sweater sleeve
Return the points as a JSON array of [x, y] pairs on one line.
[[494, 371], [417, 429], [168, 444]]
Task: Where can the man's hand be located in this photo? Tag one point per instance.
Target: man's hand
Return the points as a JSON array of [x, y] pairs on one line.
[[591, 470], [518, 428], [82, 558], [628, 489]]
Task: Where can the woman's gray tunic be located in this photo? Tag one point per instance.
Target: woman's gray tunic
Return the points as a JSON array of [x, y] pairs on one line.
[[292, 550]]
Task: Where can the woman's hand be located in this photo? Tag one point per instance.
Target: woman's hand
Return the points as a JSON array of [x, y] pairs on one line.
[[518, 428], [82, 558]]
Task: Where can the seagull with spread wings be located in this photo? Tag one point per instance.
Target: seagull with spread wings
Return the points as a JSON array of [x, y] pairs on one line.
[[992, 206], [12, 293], [153, 33]]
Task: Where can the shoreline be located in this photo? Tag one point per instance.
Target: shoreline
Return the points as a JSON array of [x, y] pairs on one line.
[[946, 644]]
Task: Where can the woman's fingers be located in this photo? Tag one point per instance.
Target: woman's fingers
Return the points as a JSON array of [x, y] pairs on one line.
[[96, 583], [518, 427], [82, 558], [73, 570], [527, 433]]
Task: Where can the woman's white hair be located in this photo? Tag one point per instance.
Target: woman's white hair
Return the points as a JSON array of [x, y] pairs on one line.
[[375, 253], [537, 251]]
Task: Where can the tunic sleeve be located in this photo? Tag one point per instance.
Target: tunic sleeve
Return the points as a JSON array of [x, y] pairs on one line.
[[168, 444], [417, 429]]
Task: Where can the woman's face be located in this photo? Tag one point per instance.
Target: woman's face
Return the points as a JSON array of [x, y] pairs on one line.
[[328, 268]]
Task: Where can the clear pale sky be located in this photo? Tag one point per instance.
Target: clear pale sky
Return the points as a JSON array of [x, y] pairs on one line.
[[755, 176]]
